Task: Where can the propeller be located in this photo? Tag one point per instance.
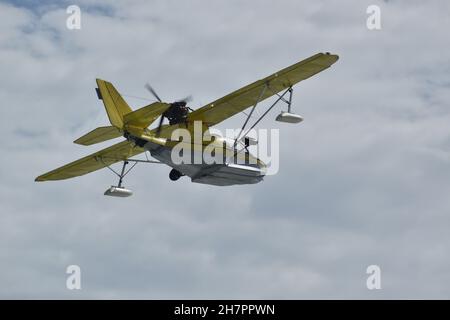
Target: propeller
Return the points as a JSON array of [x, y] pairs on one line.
[[187, 99], [175, 104], [161, 120], [152, 91]]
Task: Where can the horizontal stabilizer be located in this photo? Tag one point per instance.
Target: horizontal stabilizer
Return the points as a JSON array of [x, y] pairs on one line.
[[99, 135], [144, 116]]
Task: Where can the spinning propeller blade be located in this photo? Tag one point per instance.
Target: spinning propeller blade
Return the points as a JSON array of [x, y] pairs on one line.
[[161, 120], [152, 91], [189, 98]]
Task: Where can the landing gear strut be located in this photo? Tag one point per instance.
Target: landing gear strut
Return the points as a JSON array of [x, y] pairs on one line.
[[119, 191], [174, 175]]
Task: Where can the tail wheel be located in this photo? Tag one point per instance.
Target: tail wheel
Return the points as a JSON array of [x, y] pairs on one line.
[[174, 175]]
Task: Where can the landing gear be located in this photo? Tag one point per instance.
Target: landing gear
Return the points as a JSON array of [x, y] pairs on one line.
[[288, 116], [174, 175], [119, 190]]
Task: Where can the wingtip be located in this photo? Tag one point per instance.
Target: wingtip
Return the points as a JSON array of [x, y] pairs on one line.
[[331, 54], [99, 81], [79, 142]]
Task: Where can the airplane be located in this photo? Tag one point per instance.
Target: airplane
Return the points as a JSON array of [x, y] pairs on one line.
[[134, 127]]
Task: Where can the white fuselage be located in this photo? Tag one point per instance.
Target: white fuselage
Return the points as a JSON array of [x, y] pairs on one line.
[[225, 174]]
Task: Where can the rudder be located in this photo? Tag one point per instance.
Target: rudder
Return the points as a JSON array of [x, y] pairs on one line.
[[115, 105]]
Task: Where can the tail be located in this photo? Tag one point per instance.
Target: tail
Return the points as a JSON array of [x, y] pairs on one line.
[[120, 115], [115, 105]]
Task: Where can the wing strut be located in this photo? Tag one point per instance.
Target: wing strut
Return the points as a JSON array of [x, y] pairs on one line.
[[251, 112], [279, 118], [119, 190], [122, 174], [280, 98]]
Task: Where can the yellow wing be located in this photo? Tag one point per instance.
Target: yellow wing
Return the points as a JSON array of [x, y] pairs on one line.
[[118, 152], [247, 96]]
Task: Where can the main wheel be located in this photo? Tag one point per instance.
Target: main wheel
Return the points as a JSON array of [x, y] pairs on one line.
[[174, 175]]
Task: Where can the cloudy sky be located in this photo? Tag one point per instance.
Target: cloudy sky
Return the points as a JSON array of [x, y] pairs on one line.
[[363, 180]]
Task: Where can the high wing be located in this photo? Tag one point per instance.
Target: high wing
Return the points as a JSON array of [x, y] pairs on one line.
[[103, 158], [247, 96]]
